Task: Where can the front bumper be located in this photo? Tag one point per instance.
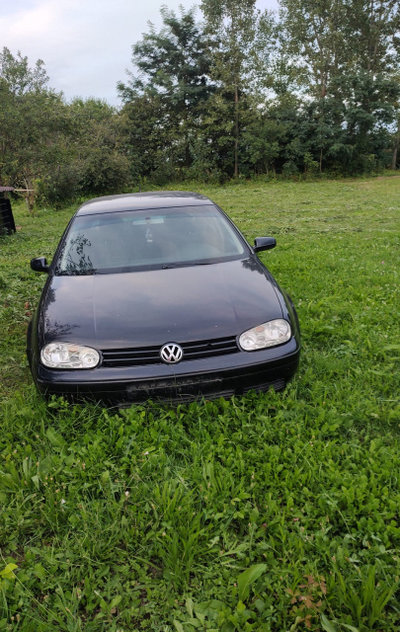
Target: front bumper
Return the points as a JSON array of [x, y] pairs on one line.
[[222, 376]]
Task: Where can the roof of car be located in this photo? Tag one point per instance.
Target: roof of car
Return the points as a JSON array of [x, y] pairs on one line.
[[138, 201]]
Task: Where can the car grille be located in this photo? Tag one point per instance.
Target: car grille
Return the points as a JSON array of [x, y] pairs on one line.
[[151, 355]]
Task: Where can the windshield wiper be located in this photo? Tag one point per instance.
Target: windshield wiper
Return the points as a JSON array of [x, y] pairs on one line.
[[76, 272], [202, 263]]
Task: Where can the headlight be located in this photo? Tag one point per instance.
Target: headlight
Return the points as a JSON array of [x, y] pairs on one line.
[[270, 334], [63, 355]]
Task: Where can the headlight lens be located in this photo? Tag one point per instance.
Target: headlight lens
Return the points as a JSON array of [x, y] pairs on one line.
[[63, 355], [270, 334]]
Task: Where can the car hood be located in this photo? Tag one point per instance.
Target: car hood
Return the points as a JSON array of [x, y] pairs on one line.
[[152, 307]]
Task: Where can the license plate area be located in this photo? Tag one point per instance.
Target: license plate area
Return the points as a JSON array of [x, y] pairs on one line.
[[178, 385]]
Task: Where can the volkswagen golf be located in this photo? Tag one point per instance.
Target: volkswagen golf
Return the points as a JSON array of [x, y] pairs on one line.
[[159, 295]]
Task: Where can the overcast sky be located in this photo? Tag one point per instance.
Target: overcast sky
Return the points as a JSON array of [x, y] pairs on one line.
[[85, 44]]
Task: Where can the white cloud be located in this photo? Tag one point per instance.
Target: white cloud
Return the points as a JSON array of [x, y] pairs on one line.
[[85, 44]]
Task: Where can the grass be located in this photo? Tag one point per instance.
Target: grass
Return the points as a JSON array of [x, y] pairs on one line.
[[275, 512]]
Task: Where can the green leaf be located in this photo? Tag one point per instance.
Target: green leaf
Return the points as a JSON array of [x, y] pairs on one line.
[[7, 572], [327, 625], [248, 577], [55, 439], [208, 609], [391, 347], [189, 606], [114, 603], [39, 571]]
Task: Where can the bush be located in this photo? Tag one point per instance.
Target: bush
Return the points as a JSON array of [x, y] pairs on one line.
[[311, 166], [289, 169]]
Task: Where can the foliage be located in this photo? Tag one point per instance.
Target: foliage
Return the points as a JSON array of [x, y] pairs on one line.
[[245, 93], [269, 512], [30, 119], [347, 54], [90, 158], [55, 150], [221, 91], [19, 77], [165, 102], [233, 26]]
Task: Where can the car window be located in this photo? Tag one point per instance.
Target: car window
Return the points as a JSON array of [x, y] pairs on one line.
[[122, 241]]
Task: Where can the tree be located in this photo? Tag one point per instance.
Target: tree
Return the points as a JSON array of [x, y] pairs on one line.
[[233, 26], [372, 83], [149, 141], [89, 157], [30, 116], [173, 82], [55, 149], [19, 77], [312, 35], [346, 52]]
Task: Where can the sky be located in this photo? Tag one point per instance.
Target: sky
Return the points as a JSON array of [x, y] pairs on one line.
[[85, 44]]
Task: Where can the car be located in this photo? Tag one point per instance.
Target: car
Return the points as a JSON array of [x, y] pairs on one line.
[[159, 296]]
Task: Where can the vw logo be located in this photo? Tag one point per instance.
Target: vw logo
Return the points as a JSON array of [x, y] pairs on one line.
[[171, 353]]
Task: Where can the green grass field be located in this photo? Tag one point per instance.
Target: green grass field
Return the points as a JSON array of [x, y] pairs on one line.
[[274, 512]]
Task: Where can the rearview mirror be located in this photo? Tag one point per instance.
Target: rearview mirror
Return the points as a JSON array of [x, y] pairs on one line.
[[39, 264], [264, 243]]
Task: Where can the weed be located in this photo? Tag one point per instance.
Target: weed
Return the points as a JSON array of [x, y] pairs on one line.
[[272, 512]]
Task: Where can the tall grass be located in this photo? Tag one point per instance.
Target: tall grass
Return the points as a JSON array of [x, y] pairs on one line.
[[269, 512]]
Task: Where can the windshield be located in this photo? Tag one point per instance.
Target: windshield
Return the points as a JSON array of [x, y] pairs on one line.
[[159, 238]]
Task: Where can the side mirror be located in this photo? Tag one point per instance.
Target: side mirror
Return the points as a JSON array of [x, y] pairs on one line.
[[264, 243], [39, 264]]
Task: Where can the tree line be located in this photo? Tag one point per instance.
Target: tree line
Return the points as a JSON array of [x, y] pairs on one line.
[[221, 91]]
